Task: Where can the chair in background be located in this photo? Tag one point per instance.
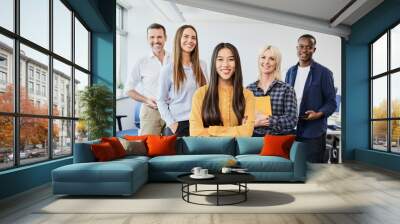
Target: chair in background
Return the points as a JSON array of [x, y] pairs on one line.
[[136, 115]]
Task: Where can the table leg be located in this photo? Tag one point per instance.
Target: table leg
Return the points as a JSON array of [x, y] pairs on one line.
[[245, 191], [217, 194]]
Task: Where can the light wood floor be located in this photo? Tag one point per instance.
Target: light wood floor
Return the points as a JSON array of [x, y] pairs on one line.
[[377, 188]]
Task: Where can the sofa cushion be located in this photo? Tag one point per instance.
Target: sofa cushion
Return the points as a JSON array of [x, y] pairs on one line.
[[206, 145], [161, 145], [249, 145], [112, 171], [134, 147], [277, 145], [185, 163], [257, 163], [116, 145], [103, 151]]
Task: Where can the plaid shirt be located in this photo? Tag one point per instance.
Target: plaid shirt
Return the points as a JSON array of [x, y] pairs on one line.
[[284, 108]]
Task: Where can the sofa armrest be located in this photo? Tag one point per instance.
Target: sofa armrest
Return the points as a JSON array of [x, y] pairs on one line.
[[83, 152], [298, 157]]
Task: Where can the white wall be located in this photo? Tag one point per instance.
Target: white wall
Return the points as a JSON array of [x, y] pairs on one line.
[[249, 36]]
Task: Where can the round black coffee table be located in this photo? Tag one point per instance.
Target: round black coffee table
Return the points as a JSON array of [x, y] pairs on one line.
[[238, 179]]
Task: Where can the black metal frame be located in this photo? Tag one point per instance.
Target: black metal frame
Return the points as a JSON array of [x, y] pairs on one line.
[[388, 74], [16, 115], [242, 191]]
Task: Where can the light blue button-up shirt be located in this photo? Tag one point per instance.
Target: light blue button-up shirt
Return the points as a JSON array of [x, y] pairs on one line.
[[176, 106]]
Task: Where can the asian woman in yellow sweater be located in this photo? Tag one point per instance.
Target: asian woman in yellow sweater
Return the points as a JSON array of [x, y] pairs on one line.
[[224, 107]]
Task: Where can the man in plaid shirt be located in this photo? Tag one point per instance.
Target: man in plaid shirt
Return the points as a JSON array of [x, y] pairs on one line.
[[283, 105]]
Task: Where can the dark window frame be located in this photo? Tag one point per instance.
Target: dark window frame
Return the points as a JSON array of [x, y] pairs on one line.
[[16, 114], [388, 74]]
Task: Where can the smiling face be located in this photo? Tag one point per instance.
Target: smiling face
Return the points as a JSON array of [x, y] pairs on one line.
[[188, 40], [156, 39], [225, 64], [305, 49], [267, 63]]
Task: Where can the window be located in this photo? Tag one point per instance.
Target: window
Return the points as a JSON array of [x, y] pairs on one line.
[[7, 14], [120, 17], [30, 72], [44, 91], [62, 29], [30, 88], [81, 45], [3, 72], [7, 88], [3, 61], [35, 22], [46, 129], [3, 78], [385, 96], [38, 89]]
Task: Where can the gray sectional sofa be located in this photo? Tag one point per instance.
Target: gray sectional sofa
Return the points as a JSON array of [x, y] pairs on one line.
[[125, 176]]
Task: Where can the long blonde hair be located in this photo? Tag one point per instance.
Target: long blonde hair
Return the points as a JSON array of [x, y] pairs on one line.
[[179, 75], [278, 58]]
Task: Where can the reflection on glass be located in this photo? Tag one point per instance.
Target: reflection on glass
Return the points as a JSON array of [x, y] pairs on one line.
[[379, 55], [6, 74], [35, 21], [81, 45], [395, 47], [6, 142], [7, 14], [62, 138], [395, 136], [379, 135], [379, 97], [81, 81], [62, 29], [81, 131], [395, 95], [34, 96], [33, 139], [62, 89]]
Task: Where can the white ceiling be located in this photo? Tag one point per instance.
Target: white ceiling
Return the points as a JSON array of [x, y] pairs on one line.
[[316, 15], [325, 16]]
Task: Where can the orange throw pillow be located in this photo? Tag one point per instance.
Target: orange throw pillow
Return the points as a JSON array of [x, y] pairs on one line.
[[161, 145], [135, 138], [103, 151], [277, 145], [116, 145]]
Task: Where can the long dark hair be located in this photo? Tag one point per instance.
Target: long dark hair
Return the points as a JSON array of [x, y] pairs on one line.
[[210, 112]]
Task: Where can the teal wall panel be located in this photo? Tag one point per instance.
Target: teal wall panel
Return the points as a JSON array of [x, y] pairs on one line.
[[24, 178], [357, 101], [380, 159]]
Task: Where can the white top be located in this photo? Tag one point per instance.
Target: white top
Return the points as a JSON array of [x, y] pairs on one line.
[[301, 78], [176, 106], [146, 73]]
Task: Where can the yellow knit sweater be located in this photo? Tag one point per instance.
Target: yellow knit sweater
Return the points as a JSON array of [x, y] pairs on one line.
[[231, 125]]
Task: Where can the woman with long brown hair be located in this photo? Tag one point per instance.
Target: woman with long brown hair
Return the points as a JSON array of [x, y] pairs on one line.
[[224, 107], [179, 80]]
